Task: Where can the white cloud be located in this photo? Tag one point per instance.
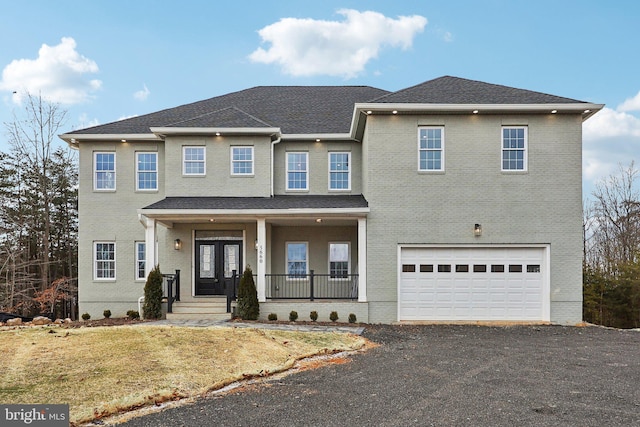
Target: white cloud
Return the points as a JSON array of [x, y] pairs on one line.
[[142, 94], [85, 122], [608, 123], [631, 104], [306, 47], [59, 74]]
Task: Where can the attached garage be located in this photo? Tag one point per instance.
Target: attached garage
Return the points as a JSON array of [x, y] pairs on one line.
[[470, 283]]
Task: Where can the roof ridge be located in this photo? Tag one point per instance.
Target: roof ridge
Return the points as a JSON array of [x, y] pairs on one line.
[[231, 107]]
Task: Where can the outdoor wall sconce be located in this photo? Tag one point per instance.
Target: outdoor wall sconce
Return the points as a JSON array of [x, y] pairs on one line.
[[177, 244], [256, 244], [477, 230]]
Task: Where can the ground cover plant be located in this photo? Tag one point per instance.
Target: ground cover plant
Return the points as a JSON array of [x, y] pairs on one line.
[[105, 370]]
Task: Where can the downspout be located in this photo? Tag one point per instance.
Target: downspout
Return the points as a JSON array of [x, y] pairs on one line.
[[273, 143]]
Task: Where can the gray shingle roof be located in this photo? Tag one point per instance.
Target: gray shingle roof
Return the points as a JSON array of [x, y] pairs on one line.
[[316, 109], [454, 90], [275, 202], [294, 109]]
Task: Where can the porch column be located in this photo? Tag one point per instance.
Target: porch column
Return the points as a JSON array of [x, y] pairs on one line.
[[262, 260], [151, 257], [362, 259]]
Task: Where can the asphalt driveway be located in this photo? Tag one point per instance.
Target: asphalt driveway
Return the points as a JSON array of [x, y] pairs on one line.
[[446, 376]]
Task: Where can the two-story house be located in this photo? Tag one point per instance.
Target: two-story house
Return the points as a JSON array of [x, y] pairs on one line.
[[452, 200]]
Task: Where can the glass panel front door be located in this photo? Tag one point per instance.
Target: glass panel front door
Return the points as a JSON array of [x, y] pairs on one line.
[[217, 259]]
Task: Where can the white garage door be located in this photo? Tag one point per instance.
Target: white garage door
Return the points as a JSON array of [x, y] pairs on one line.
[[473, 284]]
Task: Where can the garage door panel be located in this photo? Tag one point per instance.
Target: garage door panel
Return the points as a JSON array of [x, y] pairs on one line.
[[478, 284]]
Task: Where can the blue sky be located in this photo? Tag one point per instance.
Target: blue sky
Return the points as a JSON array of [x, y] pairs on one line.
[[107, 60]]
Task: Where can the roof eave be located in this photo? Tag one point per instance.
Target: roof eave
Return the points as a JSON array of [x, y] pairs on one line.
[[73, 139], [164, 131], [583, 108]]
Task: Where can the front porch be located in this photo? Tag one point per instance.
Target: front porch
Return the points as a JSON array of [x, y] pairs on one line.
[[301, 258]]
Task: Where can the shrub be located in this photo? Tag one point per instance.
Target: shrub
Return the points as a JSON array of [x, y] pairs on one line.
[[152, 308], [293, 316], [248, 307], [272, 316], [352, 318], [86, 316], [133, 314], [333, 316], [313, 316], [106, 314]]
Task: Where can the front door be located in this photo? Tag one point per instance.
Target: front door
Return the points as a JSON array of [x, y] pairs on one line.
[[216, 261]]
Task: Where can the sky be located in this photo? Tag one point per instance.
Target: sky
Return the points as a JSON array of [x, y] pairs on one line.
[[105, 60]]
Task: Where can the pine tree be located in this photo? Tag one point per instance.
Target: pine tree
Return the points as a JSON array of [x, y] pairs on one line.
[[248, 306]]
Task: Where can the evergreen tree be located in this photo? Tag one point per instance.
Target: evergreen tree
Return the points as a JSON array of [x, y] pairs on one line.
[[248, 306], [152, 307]]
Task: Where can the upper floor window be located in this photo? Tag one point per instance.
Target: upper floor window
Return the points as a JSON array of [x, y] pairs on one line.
[[431, 149], [104, 259], [514, 148], [146, 171], [140, 260], [297, 171], [338, 260], [104, 166], [339, 171], [241, 160], [297, 256], [193, 160]]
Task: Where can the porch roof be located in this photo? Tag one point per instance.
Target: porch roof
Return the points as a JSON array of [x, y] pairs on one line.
[[189, 209]]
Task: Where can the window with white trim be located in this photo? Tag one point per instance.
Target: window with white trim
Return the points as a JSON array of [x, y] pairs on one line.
[[430, 148], [339, 260], [241, 160], [140, 260], [514, 148], [193, 161], [104, 167], [146, 171], [297, 171], [104, 260], [297, 259], [340, 171]]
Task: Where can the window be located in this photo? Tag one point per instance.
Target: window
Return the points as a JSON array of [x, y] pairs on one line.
[[339, 260], [431, 149], [497, 268], [339, 171], [297, 256], [104, 166], [426, 268], [515, 268], [462, 268], [514, 148], [479, 268], [444, 268], [146, 171], [193, 161], [241, 160], [533, 268], [140, 261], [104, 260], [408, 268], [297, 171]]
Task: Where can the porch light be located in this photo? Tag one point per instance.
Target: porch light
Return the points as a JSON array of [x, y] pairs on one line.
[[177, 244], [256, 243], [477, 230]]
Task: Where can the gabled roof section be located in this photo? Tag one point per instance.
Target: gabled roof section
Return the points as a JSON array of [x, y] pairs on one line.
[[455, 90], [293, 109]]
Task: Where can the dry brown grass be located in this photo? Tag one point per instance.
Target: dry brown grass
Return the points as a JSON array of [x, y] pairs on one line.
[[104, 370]]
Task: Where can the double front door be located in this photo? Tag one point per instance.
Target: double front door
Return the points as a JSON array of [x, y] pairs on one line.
[[215, 262]]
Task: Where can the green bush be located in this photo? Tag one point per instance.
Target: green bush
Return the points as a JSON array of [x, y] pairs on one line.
[[272, 316], [248, 306], [86, 316], [106, 314], [152, 308], [352, 318], [333, 316], [133, 314], [293, 316], [313, 316]]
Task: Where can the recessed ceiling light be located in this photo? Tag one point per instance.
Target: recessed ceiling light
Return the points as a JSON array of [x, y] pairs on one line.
[[369, 112], [123, 140], [554, 111], [317, 139], [475, 111], [217, 133], [587, 111], [318, 220], [212, 220], [395, 112]]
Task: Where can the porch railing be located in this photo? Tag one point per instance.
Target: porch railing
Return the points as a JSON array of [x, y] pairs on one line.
[[311, 286], [171, 289]]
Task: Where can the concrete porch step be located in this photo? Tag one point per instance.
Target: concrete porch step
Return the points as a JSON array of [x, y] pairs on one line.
[[214, 308]]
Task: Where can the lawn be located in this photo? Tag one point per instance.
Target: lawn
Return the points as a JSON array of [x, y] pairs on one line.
[[105, 370]]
